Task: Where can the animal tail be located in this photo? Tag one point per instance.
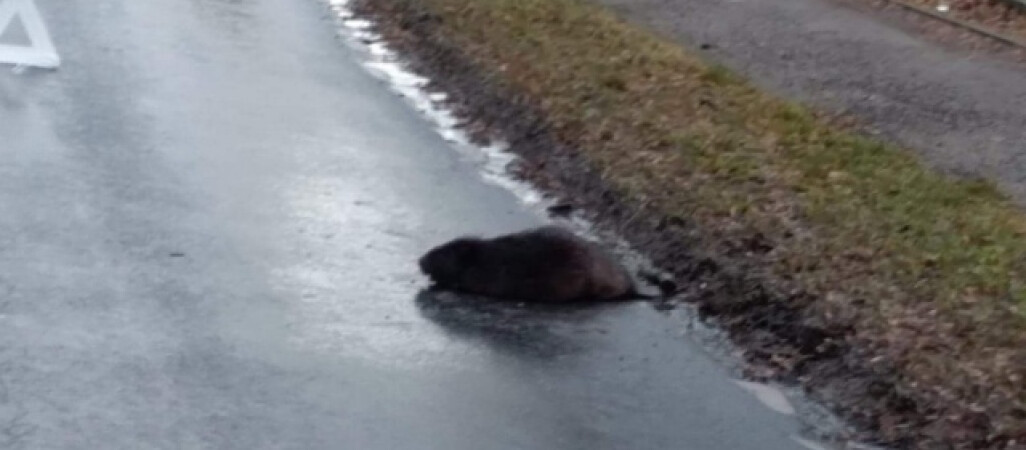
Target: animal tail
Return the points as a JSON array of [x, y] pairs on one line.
[[634, 294], [667, 287]]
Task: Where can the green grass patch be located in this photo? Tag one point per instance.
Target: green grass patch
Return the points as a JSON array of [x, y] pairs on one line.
[[845, 214], [594, 74]]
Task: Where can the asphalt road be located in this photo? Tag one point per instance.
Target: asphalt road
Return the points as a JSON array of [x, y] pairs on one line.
[[964, 113], [209, 218]]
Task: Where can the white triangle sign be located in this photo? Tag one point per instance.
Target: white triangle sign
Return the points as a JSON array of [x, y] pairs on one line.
[[42, 52]]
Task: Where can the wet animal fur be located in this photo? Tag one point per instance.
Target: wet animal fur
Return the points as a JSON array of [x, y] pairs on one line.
[[547, 264]]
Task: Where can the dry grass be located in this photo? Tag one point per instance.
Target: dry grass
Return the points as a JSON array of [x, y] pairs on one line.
[[929, 269]]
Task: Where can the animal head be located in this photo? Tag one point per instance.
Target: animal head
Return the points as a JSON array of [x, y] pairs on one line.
[[447, 263]]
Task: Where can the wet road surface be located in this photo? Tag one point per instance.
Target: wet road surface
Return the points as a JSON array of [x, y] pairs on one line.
[[209, 218]]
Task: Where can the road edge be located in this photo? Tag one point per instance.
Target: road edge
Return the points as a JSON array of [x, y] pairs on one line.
[[761, 314]]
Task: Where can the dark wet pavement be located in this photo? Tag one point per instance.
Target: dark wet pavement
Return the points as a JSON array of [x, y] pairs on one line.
[[209, 218]]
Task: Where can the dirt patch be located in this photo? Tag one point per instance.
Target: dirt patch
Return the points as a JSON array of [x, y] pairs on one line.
[[890, 293]]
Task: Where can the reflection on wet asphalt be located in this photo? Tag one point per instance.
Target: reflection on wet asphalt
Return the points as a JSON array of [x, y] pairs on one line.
[[209, 218]]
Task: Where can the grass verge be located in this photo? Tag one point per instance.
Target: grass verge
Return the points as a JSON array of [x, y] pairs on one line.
[[870, 262]]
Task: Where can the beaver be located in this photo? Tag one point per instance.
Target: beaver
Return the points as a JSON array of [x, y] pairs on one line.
[[545, 264]]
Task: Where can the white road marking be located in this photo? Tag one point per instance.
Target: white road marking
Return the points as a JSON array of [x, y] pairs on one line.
[[41, 52]]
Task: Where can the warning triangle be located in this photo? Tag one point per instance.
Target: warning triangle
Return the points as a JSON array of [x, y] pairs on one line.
[[40, 52]]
